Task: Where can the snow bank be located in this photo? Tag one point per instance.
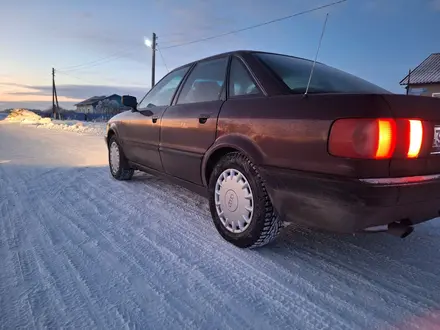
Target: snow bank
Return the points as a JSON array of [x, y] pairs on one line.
[[26, 117], [75, 126], [32, 121], [23, 115]]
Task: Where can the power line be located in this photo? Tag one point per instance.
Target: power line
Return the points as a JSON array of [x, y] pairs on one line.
[[78, 67], [100, 62], [103, 60], [163, 59], [256, 25], [70, 75]]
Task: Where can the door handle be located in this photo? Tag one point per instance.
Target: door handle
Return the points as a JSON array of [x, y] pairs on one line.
[[203, 118], [154, 119]]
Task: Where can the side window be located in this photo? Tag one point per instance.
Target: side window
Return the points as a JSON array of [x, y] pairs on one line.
[[205, 82], [163, 91], [240, 80]]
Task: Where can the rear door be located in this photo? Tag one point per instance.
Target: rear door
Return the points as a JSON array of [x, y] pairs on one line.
[[142, 128], [188, 128]]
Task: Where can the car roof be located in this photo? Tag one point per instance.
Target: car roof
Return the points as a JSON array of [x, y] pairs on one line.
[[239, 52]]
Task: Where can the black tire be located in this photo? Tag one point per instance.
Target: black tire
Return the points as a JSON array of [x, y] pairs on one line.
[[265, 223], [124, 172]]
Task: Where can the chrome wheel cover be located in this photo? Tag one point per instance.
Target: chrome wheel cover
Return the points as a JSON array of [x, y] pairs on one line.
[[114, 157], [234, 200]]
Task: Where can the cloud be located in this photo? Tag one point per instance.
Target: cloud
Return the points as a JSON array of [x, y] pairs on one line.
[[435, 5], [78, 91], [67, 94], [32, 105], [85, 15]]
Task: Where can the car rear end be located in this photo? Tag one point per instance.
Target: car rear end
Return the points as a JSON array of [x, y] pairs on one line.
[[408, 142], [382, 172], [358, 158]]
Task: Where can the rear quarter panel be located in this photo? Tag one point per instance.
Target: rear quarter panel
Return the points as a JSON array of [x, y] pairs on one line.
[[291, 131]]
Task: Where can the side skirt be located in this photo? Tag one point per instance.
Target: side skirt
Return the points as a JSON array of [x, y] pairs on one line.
[[200, 190]]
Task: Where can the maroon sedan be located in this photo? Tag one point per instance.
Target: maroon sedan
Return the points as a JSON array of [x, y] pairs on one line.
[[347, 156]]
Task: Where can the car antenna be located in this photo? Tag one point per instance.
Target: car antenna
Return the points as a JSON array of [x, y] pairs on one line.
[[316, 56]]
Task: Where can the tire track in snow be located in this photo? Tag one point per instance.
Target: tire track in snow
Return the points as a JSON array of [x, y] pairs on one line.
[[69, 230], [64, 249], [96, 232], [96, 309], [86, 209], [62, 290], [155, 283], [35, 299], [19, 304], [118, 284], [26, 267], [147, 253]]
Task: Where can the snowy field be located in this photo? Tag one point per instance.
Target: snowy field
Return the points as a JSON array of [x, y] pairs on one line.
[[79, 250]]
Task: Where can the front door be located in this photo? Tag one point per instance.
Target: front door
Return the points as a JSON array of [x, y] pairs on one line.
[[142, 129], [140, 133], [189, 127]]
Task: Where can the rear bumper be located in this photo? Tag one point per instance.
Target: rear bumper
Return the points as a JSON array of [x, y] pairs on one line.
[[351, 205]]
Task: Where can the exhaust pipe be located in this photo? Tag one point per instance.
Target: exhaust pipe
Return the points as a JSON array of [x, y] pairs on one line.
[[399, 229]]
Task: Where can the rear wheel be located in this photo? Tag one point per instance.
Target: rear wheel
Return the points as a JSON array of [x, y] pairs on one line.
[[240, 205], [119, 167]]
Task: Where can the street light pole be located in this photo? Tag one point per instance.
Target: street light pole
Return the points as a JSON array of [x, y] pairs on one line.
[[153, 60]]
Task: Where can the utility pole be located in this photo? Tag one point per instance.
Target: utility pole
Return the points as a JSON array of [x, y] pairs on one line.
[[407, 86], [53, 94], [55, 109], [153, 60]]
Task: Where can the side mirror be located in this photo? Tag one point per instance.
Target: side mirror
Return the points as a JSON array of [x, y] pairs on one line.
[[147, 112], [129, 101]]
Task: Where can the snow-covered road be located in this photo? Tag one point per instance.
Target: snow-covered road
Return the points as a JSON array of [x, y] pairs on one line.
[[80, 250]]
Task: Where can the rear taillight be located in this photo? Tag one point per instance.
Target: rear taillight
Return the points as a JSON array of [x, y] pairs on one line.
[[415, 138], [380, 138]]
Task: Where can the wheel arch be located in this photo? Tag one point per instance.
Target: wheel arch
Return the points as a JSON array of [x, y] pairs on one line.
[[111, 131], [227, 144]]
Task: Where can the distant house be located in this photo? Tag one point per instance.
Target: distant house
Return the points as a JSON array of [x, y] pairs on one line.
[[425, 78], [89, 105]]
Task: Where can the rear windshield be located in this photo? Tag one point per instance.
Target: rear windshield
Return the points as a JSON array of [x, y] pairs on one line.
[[295, 73]]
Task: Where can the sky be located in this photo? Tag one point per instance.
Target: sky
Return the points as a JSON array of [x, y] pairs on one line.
[[97, 47]]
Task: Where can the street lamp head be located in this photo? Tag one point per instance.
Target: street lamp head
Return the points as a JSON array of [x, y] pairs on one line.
[[148, 42]]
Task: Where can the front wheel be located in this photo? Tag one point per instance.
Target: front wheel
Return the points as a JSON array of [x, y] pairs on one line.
[[240, 205], [119, 167]]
